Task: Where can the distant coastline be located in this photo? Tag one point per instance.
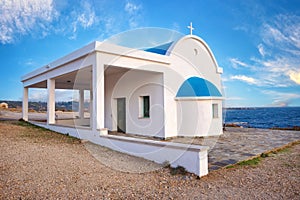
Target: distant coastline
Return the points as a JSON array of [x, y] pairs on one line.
[[283, 118], [18, 104], [41, 106], [254, 108]]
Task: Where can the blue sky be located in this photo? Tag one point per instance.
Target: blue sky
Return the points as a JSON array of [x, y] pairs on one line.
[[257, 42]]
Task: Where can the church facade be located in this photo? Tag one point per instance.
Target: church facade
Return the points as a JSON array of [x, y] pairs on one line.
[[169, 90]]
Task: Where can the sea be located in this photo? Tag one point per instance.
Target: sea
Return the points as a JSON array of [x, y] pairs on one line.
[[268, 117]]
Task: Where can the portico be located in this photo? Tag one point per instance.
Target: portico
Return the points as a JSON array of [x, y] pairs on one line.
[[85, 70]]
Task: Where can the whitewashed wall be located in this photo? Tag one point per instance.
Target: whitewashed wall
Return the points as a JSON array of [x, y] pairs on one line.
[[201, 61], [195, 118], [131, 85]]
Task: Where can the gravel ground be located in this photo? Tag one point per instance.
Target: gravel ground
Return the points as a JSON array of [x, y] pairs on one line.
[[39, 164]]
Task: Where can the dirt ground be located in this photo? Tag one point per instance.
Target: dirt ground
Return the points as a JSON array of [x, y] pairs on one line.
[[40, 164]]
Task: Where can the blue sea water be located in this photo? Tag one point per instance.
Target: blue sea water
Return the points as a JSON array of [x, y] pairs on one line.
[[281, 117]]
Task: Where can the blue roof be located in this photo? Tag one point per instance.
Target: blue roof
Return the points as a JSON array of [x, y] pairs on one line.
[[161, 49], [198, 87]]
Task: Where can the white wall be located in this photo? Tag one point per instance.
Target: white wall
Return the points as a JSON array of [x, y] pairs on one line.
[[191, 57], [131, 85], [195, 118], [194, 51], [216, 127]]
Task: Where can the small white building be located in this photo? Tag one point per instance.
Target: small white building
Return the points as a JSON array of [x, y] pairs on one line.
[[166, 91], [170, 90]]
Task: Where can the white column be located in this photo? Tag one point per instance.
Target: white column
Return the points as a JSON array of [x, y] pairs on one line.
[[81, 103], [91, 108], [170, 114], [25, 104], [98, 95], [51, 101]]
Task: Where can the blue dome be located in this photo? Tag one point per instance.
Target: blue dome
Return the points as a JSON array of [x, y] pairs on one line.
[[198, 87]]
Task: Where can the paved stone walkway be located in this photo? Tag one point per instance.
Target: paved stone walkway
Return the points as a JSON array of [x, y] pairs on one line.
[[238, 144]]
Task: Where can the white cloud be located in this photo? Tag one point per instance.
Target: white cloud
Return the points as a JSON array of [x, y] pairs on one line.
[[276, 71], [241, 28], [246, 79], [40, 18], [37, 95], [279, 49], [66, 95], [295, 76], [236, 63], [261, 50], [133, 10], [273, 34], [133, 23], [87, 18], [21, 17], [234, 98], [283, 33], [84, 17], [281, 98]]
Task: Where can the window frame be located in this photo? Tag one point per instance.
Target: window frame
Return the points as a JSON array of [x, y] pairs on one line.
[[144, 106], [215, 110]]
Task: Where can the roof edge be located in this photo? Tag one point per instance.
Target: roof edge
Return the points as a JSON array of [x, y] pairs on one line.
[[78, 53], [101, 47]]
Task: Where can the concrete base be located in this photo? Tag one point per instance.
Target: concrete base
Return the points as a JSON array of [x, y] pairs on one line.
[[194, 158], [103, 131]]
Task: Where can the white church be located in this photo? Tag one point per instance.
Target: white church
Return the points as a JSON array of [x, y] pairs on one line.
[[168, 90]]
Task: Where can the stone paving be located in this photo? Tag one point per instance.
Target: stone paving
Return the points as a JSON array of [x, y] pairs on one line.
[[238, 144], [235, 145]]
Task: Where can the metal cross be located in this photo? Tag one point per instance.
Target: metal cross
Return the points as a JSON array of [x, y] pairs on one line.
[[191, 28]]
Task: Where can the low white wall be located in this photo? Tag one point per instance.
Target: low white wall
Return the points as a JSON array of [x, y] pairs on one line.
[[193, 158], [195, 117]]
